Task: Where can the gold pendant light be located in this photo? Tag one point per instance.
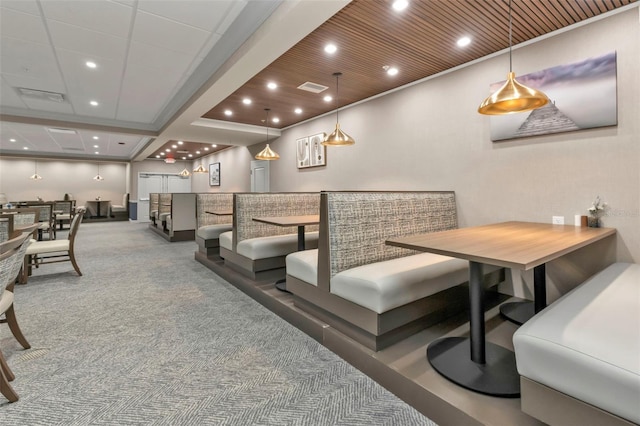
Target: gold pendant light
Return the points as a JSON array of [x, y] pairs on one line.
[[200, 169], [512, 96], [184, 172], [35, 176], [338, 137], [267, 153]]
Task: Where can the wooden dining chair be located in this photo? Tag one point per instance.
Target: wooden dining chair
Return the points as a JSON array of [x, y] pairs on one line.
[[11, 255], [53, 251]]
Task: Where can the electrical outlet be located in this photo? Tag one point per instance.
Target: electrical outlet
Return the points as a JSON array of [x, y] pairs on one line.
[[557, 220]]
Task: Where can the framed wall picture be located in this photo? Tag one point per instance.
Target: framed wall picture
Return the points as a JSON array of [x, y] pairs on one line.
[[310, 152], [214, 174]]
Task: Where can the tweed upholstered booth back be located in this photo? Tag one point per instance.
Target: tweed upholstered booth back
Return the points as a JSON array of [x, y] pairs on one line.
[[359, 223], [164, 203], [250, 205], [213, 201]]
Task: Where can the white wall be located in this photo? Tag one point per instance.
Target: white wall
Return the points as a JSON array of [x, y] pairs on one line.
[[235, 165], [60, 177]]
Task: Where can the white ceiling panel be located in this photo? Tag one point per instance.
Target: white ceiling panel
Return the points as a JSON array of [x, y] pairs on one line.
[[48, 106], [168, 61], [26, 53], [106, 106], [144, 93], [100, 83], [9, 96], [92, 43], [22, 25], [27, 6], [162, 32], [97, 15], [204, 15]]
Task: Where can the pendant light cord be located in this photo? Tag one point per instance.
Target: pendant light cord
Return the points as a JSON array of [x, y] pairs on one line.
[[510, 64], [337, 104]]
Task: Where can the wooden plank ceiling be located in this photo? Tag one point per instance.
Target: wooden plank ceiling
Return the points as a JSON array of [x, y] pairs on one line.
[[420, 41]]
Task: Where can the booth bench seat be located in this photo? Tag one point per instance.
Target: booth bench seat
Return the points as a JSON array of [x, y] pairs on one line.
[[210, 224], [208, 237], [579, 359], [374, 293]]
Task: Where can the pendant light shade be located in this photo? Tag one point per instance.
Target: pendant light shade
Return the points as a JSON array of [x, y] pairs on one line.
[[35, 176], [267, 153], [200, 169], [184, 172], [98, 177], [512, 96], [338, 137]]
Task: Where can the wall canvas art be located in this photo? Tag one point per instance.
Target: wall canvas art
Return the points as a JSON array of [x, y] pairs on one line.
[[310, 152], [583, 95], [214, 174]]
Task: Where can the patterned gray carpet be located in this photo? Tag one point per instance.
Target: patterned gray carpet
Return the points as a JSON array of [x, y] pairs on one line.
[[149, 336]]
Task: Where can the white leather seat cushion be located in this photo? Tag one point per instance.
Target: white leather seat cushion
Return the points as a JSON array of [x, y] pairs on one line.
[[275, 245], [6, 300], [163, 216], [210, 232], [47, 246], [382, 286], [304, 266], [226, 240], [63, 216], [587, 343]]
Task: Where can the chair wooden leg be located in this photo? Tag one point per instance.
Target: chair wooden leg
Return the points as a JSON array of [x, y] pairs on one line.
[[5, 377], [72, 257], [15, 329], [5, 368]]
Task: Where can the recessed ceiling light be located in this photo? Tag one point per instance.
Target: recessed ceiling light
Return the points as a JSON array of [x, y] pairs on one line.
[[162, 153], [91, 64], [197, 152], [327, 98], [96, 138], [206, 148], [213, 145], [26, 147], [228, 112], [330, 48], [96, 146], [180, 142], [157, 156], [12, 140], [392, 71], [190, 155], [298, 110], [271, 85], [97, 152], [93, 103], [400, 5], [464, 41], [275, 120], [246, 101], [174, 146], [184, 158], [168, 150]]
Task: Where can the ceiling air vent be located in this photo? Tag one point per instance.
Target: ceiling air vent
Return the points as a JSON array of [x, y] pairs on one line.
[[182, 152], [41, 95], [313, 87], [69, 148], [61, 130]]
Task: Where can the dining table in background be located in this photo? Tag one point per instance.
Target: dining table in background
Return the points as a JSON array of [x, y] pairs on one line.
[[472, 362], [299, 221]]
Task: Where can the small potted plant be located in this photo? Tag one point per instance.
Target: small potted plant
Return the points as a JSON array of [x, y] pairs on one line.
[[595, 212]]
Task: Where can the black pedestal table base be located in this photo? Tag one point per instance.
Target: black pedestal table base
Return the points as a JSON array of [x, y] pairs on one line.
[[282, 285], [498, 376], [518, 312]]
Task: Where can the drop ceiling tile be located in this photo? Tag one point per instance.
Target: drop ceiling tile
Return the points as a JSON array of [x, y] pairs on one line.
[[32, 65], [171, 35], [92, 43], [26, 6], [48, 106], [105, 109], [204, 15], [174, 63], [101, 83], [22, 26], [96, 15], [9, 96], [144, 94]]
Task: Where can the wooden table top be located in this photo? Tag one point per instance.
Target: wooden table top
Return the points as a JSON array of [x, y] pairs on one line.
[[521, 245], [310, 219], [221, 212]]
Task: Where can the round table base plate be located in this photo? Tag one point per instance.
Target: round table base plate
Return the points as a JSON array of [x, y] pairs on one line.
[[282, 285], [451, 357], [517, 312]]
